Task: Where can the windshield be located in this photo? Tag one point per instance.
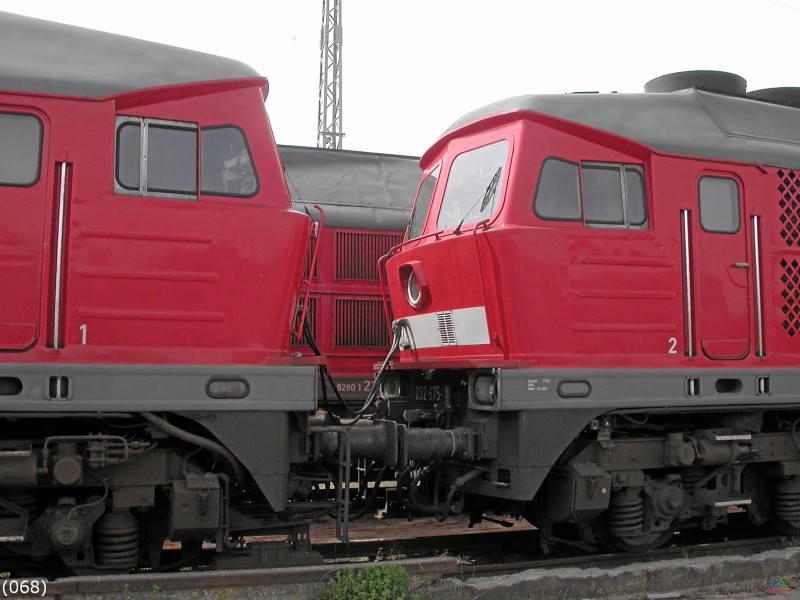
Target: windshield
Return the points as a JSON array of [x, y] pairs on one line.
[[472, 191]]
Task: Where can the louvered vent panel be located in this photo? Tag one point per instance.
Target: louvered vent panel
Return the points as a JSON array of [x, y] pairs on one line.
[[311, 319], [360, 324], [357, 254], [447, 330], [789, 203], [790, 278]]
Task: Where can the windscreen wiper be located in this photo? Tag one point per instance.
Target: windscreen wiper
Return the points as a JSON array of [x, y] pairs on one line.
[[484, 199]]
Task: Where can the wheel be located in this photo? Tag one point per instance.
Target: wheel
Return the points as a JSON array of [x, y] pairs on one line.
[[639, 543]]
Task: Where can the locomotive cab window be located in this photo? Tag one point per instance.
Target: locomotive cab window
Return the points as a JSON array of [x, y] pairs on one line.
[[20, 149], [227, 168], [719, 205], [422, 205], [156, 158], [472, 190], [602, 195], [558, 195], [613, 195], [160, 158]]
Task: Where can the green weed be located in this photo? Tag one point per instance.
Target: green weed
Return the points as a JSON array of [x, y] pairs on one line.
[[387, 582]]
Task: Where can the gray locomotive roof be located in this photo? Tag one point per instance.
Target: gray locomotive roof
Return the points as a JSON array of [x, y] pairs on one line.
[[690, 122], [355, 189], [52, 58]]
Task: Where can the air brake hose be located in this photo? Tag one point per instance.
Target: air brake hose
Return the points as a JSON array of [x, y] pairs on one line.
[[457, 484], [397, 328], [210, 445]]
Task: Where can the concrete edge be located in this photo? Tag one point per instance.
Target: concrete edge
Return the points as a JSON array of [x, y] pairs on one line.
[[635, 580]]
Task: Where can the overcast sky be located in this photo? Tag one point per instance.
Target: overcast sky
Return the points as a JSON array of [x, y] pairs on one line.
[[412, 67]]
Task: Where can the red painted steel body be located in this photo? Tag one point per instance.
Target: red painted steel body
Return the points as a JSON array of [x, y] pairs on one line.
[[561, 294], [144, 279]]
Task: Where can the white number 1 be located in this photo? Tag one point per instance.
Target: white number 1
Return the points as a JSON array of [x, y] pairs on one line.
[[83, 334]]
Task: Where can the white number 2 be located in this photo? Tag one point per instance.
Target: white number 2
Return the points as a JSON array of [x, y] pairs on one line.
[[673, 345]]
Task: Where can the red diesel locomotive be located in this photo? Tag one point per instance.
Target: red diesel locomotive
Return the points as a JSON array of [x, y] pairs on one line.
[[601, 292], [151, 261]]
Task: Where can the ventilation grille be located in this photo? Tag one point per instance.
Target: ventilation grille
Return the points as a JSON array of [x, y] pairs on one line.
[[447, 331], [311, 319], [357, 254], [360, 324], [790, 277], [790, 206]]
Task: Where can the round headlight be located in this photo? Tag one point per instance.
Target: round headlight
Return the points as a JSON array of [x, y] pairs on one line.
[[413, 290], [390, 387], [483, 388]]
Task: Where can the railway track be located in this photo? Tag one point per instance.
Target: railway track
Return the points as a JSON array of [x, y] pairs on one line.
[[428, 551]]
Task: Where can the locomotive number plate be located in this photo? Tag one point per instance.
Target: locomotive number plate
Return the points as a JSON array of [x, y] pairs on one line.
[[353, 388], [429, 393]]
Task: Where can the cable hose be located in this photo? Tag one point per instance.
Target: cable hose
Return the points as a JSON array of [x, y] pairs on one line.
[[210, 445], [373, 394]]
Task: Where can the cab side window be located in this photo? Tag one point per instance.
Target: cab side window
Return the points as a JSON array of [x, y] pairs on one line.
[[156, 158], [599, 194], [558, 195], [227, 168], [422, 205], [20, 149], [160, 158], [613, 195]]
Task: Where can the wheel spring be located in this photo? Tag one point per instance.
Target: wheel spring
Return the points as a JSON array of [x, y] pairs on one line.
[[787, 499], [117, 540], [625, 514]]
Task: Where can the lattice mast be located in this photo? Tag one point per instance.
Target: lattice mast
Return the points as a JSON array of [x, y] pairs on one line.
[[329, 127]]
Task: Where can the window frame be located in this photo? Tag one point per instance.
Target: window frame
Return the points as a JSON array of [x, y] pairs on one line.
[[738, 203], [40, 150], [249, 154], [622, 169], [436, 174], [579, 218], [499, 187], [143, 189]]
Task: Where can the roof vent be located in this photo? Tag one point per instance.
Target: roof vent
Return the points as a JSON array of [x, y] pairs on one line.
[[711, 81], [788, 96]]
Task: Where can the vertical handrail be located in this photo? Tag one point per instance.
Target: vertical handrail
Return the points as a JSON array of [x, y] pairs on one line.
[[60, 234], [383, 283], [760, 350], [687, 283], [316, 230]]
